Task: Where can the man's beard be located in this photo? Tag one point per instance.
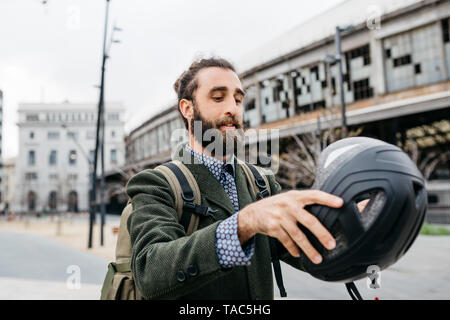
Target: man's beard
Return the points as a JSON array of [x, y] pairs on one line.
[[229, 140]]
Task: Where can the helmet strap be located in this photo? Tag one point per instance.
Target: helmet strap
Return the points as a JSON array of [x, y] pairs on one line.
[[353, 291]]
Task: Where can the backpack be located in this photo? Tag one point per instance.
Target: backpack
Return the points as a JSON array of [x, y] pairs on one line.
[[119, 283]]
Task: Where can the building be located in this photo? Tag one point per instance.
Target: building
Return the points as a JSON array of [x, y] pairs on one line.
[[398, 69], [146, 146], [56, 144], [1, 141], [7, 184], [149, 144], [396, 80]]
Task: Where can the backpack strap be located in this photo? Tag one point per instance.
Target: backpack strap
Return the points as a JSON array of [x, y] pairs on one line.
[[259, 185], [123, 247], [187, 194], [260, 188]]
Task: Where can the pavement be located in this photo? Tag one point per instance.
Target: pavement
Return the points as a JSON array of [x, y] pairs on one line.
[[33, 267], [39, 261], [422, 273]]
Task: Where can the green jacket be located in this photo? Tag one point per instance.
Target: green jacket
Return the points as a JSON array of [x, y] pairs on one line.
[[167, 264]]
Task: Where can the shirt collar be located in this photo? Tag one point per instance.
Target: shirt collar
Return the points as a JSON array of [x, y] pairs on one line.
[[205, 159]]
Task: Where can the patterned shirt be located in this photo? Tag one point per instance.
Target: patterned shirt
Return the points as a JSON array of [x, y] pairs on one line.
[[228, 248]]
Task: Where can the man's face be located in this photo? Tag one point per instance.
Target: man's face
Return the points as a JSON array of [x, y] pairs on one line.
[[218, 104]]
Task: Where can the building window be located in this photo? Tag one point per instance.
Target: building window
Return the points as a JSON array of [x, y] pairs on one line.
[[53, 176], [72, 177], [250, 106], [315, 70], [32, 117], [113, 156], [31, 135], [53, 135], [113, 133], [91, 134], [72, 135], [388, 53], [30, 176], [362, 90], [91, 155], [72, 157], [417, 68], [52, 158], [31, 158], [277, 89], [401, 61], [113, 116], [433, 199], [52, 200], [445, 30], [363, 52]]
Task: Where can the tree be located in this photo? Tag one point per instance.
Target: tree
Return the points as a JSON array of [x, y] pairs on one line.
[[299, 159], [425, 162]]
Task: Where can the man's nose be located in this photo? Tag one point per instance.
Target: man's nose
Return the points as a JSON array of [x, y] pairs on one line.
[[231, 107]]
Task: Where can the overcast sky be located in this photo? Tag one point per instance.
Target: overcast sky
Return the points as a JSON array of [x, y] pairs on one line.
[[52, 52]]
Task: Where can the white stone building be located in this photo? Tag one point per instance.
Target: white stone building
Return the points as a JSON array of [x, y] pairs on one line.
[[55, 143], [1, 131], [7, 184]]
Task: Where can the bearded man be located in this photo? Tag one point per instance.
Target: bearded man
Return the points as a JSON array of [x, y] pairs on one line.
[[228, 257]]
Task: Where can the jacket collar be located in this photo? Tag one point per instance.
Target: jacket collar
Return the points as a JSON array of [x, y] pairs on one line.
[[209, 187], [204, 158]]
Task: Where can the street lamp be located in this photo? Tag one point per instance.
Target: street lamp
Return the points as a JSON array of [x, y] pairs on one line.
[[99, 142], [338, 58]]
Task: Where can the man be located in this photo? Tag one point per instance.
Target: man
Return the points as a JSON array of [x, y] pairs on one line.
[[228, 257]]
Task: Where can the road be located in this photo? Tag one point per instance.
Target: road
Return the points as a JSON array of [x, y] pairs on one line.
[[423, 273], [34, 267]]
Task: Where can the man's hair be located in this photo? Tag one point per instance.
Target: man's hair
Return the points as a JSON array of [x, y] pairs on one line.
[[187, 83]]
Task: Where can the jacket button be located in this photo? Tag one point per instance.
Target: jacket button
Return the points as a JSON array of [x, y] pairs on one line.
[[181, 276], [192, 270]]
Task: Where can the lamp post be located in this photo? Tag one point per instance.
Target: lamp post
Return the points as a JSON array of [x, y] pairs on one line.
[[100, 138], [337, 41], [338, 58]]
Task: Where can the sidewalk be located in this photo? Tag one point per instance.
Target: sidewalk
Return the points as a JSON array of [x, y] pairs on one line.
[[69, 230]]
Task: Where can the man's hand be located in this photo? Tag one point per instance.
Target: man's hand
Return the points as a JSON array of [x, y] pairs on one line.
[[277, 216]]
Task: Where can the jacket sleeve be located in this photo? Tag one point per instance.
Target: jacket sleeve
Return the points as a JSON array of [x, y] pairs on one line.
[[166, 264], [283, 254]]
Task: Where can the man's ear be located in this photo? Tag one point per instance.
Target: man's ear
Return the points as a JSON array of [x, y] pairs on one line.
[[186, 108]]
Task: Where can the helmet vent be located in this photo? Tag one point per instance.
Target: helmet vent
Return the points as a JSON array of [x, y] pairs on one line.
[[419, 193], [369, 205], [341, 241]]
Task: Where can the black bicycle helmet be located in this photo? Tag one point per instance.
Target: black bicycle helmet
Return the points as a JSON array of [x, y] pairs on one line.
[[357, 169]]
